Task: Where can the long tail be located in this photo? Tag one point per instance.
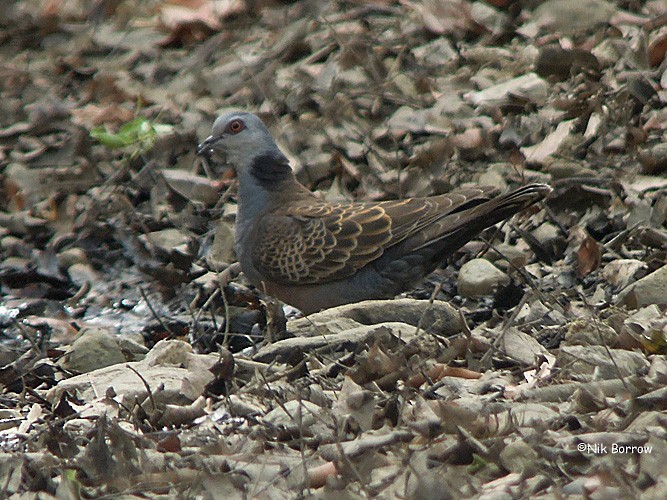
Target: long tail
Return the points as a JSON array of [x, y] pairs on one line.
[[456, 229]]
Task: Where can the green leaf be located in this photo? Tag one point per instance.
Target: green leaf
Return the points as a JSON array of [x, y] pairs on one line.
[[133, 127], [138, 131], [108, 139], [478, 463]]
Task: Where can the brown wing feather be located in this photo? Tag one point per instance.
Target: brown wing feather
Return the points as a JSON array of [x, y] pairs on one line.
[[412, 216], [319, 242]]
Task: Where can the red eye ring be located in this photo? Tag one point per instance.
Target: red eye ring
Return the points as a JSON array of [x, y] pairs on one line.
[[235, 126]]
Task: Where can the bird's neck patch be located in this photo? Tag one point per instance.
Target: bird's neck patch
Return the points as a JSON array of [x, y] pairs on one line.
[[269, 170]]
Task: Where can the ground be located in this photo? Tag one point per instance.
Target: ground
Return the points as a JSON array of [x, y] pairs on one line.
[[136, 364]]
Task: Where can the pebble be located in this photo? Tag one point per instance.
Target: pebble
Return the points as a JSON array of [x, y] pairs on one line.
[[478, 277]]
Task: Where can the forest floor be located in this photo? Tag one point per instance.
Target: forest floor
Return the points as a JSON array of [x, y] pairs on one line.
[[133, 366]]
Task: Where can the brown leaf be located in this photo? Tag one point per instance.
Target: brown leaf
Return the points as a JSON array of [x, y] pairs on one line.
[[170, 444], [588, 257], [656, 50], [106, 88], [318, 475], [92, 115], [191, 21], [439, 371]]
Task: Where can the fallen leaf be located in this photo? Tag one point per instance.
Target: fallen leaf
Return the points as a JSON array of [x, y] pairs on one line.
[[588, 257]]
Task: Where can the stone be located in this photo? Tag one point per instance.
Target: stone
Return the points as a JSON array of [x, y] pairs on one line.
[[478, 277]]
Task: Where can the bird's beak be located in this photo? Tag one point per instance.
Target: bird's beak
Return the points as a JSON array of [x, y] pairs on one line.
[[206, 148], [214, 167]]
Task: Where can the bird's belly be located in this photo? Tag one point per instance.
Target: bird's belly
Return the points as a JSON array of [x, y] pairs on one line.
[[315, 297]]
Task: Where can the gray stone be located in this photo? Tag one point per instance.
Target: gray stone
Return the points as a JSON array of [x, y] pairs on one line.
[[92, 349], [651, 289], [478, 277]]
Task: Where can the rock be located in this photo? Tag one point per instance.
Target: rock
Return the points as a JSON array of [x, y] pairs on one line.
[[654, 158], [436, 317], [610, 50], [547, 232], [572, 16], [226, 77], [93, 348], [529, 86], [550, 238], [478, 277], [564, 170], [192, 187], [535, 311], [82, 272], [18, 264], [407, 119], [621, 272], [21, 223], [561, 63], [141, 39], [485, 15], [651, 289], [471, 142], [135, 349], [71, 256], [584, 362], [294, 416], [10, 244], [521, 347], [657, 374], [436, 53], [645, 329], [552, 143], [518, 457], [29, 181], [8, 418], [166, 239], [171, 363], [321, 336], [505, 417], [584, 332], [169, 353], [494, 176], [222, 250], [503, 253]]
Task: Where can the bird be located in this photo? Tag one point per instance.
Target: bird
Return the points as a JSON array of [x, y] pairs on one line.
[[315, 255]]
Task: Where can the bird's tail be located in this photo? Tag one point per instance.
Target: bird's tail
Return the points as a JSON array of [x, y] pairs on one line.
[[461, 226]]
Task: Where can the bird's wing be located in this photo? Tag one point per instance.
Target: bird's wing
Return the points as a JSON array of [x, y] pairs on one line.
[[316, 242]]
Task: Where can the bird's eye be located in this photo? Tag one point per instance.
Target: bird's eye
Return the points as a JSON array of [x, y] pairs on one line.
[[235, 126]]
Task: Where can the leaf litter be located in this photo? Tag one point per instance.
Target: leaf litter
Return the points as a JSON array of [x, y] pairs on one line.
[[136, 362]]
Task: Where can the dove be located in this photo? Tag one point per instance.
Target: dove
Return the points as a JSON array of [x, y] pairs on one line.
[[314, 255]]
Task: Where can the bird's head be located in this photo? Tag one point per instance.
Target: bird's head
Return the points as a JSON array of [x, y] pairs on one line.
[[241, 141]]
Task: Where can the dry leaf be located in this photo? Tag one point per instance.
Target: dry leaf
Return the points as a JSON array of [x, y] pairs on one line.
[[92, 115], [588, 257], [440, 371], [444, 16]]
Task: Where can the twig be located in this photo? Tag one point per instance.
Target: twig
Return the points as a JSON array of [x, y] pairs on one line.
[[602, 339], [155, 315], [148, 387], [506, 327]]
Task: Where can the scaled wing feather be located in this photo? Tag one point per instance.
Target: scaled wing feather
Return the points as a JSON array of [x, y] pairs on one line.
[[312, 243]]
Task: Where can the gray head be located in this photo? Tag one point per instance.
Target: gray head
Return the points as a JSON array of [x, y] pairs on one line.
[[242, 141]]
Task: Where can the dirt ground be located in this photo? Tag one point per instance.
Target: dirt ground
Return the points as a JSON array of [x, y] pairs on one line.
[[134, 364]]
